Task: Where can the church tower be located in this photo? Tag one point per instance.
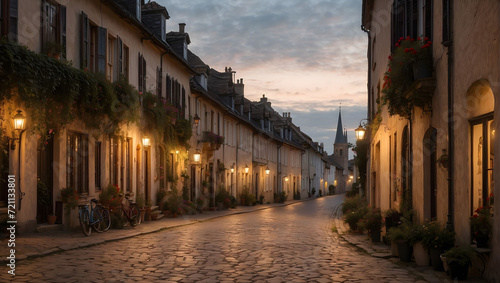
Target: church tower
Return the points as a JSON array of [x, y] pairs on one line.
[[341, 155]]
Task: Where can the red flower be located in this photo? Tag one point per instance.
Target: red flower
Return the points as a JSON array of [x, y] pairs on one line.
[[426, 38], [397, 44], [406, 50], [475, 216], [414, 52]]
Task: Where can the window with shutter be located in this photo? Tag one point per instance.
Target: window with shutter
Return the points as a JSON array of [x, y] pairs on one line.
[[54, 28], [125, 61], [84, 42], [169, 89], [120, 56], [411, 18], [13, 14], [140, 73], [158, 82], [102, 36]]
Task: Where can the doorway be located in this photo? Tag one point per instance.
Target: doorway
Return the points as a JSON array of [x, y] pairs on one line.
[[45, 159]]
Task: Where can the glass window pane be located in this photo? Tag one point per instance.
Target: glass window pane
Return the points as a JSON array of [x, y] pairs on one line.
[[477, 166]]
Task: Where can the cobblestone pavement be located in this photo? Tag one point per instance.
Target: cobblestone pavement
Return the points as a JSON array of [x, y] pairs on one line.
[[292, 243]]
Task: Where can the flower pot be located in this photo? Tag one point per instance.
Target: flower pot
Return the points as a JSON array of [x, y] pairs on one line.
[[404, 250], [482, 242], [51, 219], [422, 69], [421, 254], [394, 249], [445, 264], [457, 270], [435, 254], [375, 235]]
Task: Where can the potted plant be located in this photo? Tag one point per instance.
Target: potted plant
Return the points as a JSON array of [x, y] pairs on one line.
[[481, 225], [44, 199], [411, 60], [420, 252], [372, 221], [437, 239], [459, 260], [401, 237], [442, 161], [51, 219], [69, 197], [392, 218], [53, 49]]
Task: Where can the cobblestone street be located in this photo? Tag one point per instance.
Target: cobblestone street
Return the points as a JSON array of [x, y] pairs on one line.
[[293, 243]]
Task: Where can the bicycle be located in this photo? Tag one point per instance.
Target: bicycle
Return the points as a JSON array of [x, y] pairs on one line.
[[93, 217], [131, 212]]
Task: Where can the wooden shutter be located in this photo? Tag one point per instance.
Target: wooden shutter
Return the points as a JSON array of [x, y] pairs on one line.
[[140, 72], [62, 27], [84, 41], [102, 38], [168, 91], [120, 56], [13, 15], [144, 73], [116, 59]]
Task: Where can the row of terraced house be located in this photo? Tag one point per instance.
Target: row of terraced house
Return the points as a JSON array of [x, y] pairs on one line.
[[110, 97]]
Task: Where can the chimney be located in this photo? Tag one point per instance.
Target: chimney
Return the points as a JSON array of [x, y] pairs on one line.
[[239, 87], [182, 27], [264, 98]]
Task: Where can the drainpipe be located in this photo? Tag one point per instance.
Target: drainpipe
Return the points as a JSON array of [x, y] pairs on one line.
[[451, 130]]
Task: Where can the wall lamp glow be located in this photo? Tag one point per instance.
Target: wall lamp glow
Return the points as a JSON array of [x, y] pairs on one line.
[[19, 126], [197, 156], [146, 141], [268, 170]]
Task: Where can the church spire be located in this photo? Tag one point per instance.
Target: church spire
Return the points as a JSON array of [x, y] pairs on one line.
[[339, 136]]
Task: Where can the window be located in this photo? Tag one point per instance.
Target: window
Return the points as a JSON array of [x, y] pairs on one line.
[[93, 41], [77, 162], [446, 22], [110, 74], [158, 82], [142, 73], [411, 18], [54, 25], [8, 19], [113, 160], [482, 156], [97, 165], [169, 90]]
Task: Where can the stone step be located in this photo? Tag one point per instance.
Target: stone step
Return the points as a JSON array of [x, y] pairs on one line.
[[42, 228]]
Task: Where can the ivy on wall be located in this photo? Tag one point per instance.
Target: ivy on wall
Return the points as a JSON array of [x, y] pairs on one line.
[[55, 94]]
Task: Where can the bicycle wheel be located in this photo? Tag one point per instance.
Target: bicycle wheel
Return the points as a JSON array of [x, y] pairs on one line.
[[105, 219], [135, 216], [99, 218], [85, 221]]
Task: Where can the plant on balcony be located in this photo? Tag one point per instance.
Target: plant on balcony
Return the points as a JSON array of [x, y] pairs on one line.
[[410, 57], [213, 138], [481, 226]]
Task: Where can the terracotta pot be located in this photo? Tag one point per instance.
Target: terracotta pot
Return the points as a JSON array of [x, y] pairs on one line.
[[421, 254], [52, 219]]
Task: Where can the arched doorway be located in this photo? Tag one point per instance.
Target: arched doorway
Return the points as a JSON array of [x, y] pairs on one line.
[[430, 174]]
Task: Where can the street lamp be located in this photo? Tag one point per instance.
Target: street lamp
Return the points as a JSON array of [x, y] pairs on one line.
[[268, 170], [360, 132], [146, 142], [197, 156], [196, 120], [19, 126]]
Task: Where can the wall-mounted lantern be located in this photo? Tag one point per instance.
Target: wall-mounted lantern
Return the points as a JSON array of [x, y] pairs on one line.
[[146, 142], [268, 170], [196, 120], [197, 156], [246, 168], [19, 126]]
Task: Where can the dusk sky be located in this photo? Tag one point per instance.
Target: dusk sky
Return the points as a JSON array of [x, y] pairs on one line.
[[307, 57]]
